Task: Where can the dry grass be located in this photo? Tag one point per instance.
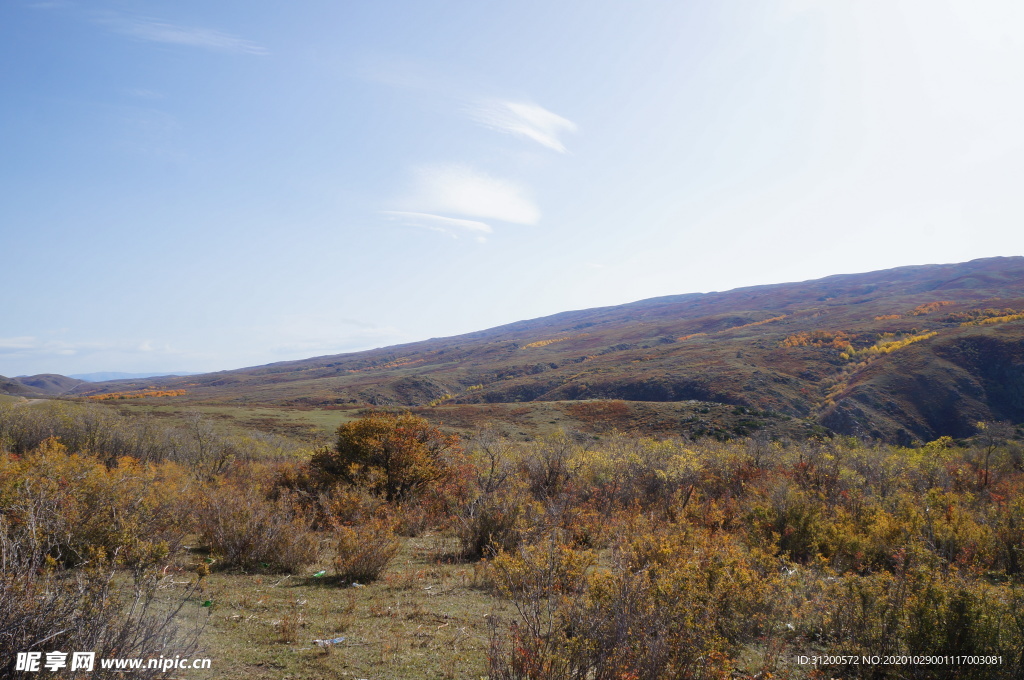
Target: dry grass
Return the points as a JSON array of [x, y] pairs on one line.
[[422, 619]]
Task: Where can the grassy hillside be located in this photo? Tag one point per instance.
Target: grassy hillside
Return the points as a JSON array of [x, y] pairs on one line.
[[905, 354]]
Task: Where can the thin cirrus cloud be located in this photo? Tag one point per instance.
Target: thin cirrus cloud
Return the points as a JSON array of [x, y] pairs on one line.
[[319, 333], [31, 346], [334, 345], [155, 30], [523, 119], [22, 342], [453, 189], [450, 226], [455, 200]]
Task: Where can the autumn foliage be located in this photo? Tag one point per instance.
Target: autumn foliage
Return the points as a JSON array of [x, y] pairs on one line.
[[136, 394], [551, 341], [840, 340], [619, 557], [394, 456], [929, 307], [674, 560]]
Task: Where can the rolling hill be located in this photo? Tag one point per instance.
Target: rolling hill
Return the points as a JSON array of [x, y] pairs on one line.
[[42, 385], [905, 354]]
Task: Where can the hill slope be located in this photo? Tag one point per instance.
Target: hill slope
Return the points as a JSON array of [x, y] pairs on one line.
[[900, 354], [42, 385], [13, 387]]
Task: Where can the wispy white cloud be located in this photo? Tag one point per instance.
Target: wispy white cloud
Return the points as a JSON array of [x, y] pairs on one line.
[[519, 118], [523, 119], [19, 343], [309, 334], [143, 93], [34, 347], [453, 189], [457, 199], [156, 30], [445, 225], [403, 74], [336, 345]]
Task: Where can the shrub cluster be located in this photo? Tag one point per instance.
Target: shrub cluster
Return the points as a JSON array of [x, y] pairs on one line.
[[246, 530], [70, 509], [712, 552], [362, 553], [81, 544], [624, 557], [109, 436], [88, 610]]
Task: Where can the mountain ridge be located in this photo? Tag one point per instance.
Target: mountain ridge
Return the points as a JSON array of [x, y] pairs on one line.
[[904, 354]]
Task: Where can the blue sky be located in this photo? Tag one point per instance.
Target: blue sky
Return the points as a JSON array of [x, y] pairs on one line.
[[201, 186]]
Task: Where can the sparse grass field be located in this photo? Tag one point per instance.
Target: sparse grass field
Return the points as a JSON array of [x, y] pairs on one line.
[[316, 426], [312, 425], [424, 619]]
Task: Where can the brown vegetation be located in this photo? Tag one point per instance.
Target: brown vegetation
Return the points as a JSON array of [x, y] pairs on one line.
[[137, 394], [621, 557], [930, 307]]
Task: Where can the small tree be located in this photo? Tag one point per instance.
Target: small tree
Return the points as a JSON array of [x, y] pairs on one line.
[[394, 456], [990, 437]]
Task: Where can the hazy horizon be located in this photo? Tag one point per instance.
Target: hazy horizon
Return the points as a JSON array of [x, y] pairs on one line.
[[210, 187]]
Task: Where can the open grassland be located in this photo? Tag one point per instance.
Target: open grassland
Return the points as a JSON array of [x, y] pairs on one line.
[[523, 421], [305, 424], [568, 556]]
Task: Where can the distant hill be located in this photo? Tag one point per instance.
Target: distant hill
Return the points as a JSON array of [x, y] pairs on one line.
[[111, 375], [13, 387], [52, 384], [903, 354], [44, 384]]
